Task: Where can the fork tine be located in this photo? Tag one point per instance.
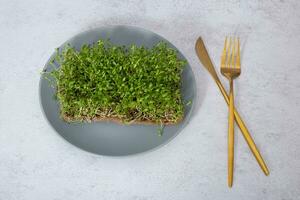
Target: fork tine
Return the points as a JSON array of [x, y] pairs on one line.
[[227, 60], [228, 53], [225, 45], [231, 53], [223, 57], [238, 59]]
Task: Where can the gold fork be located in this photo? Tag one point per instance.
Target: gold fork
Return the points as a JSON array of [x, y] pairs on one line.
[[231, 68]]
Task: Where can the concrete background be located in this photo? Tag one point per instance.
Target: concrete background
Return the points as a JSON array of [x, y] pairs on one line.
[[35, 163]]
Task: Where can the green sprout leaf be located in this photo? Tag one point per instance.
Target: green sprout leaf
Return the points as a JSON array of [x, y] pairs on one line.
[[105, 80], [188, 103]]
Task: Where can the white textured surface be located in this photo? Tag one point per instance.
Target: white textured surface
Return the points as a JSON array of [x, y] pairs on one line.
[[35, 163]]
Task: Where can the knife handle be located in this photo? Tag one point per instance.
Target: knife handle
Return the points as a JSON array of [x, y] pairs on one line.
[[245, 132]]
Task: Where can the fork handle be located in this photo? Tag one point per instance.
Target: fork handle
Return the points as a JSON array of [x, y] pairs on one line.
[[245, 132], [231, 135]]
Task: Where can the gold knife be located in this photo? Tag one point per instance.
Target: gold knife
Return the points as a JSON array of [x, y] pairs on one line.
[[205, 60]]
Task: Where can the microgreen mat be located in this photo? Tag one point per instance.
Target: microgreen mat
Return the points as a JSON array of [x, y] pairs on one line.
[[128, 83]]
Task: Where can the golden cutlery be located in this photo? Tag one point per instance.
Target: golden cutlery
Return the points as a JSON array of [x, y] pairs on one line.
[[231, 69], [205, 60]]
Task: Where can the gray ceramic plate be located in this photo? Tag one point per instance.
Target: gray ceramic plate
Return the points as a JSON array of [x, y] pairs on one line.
[[107, 138]]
